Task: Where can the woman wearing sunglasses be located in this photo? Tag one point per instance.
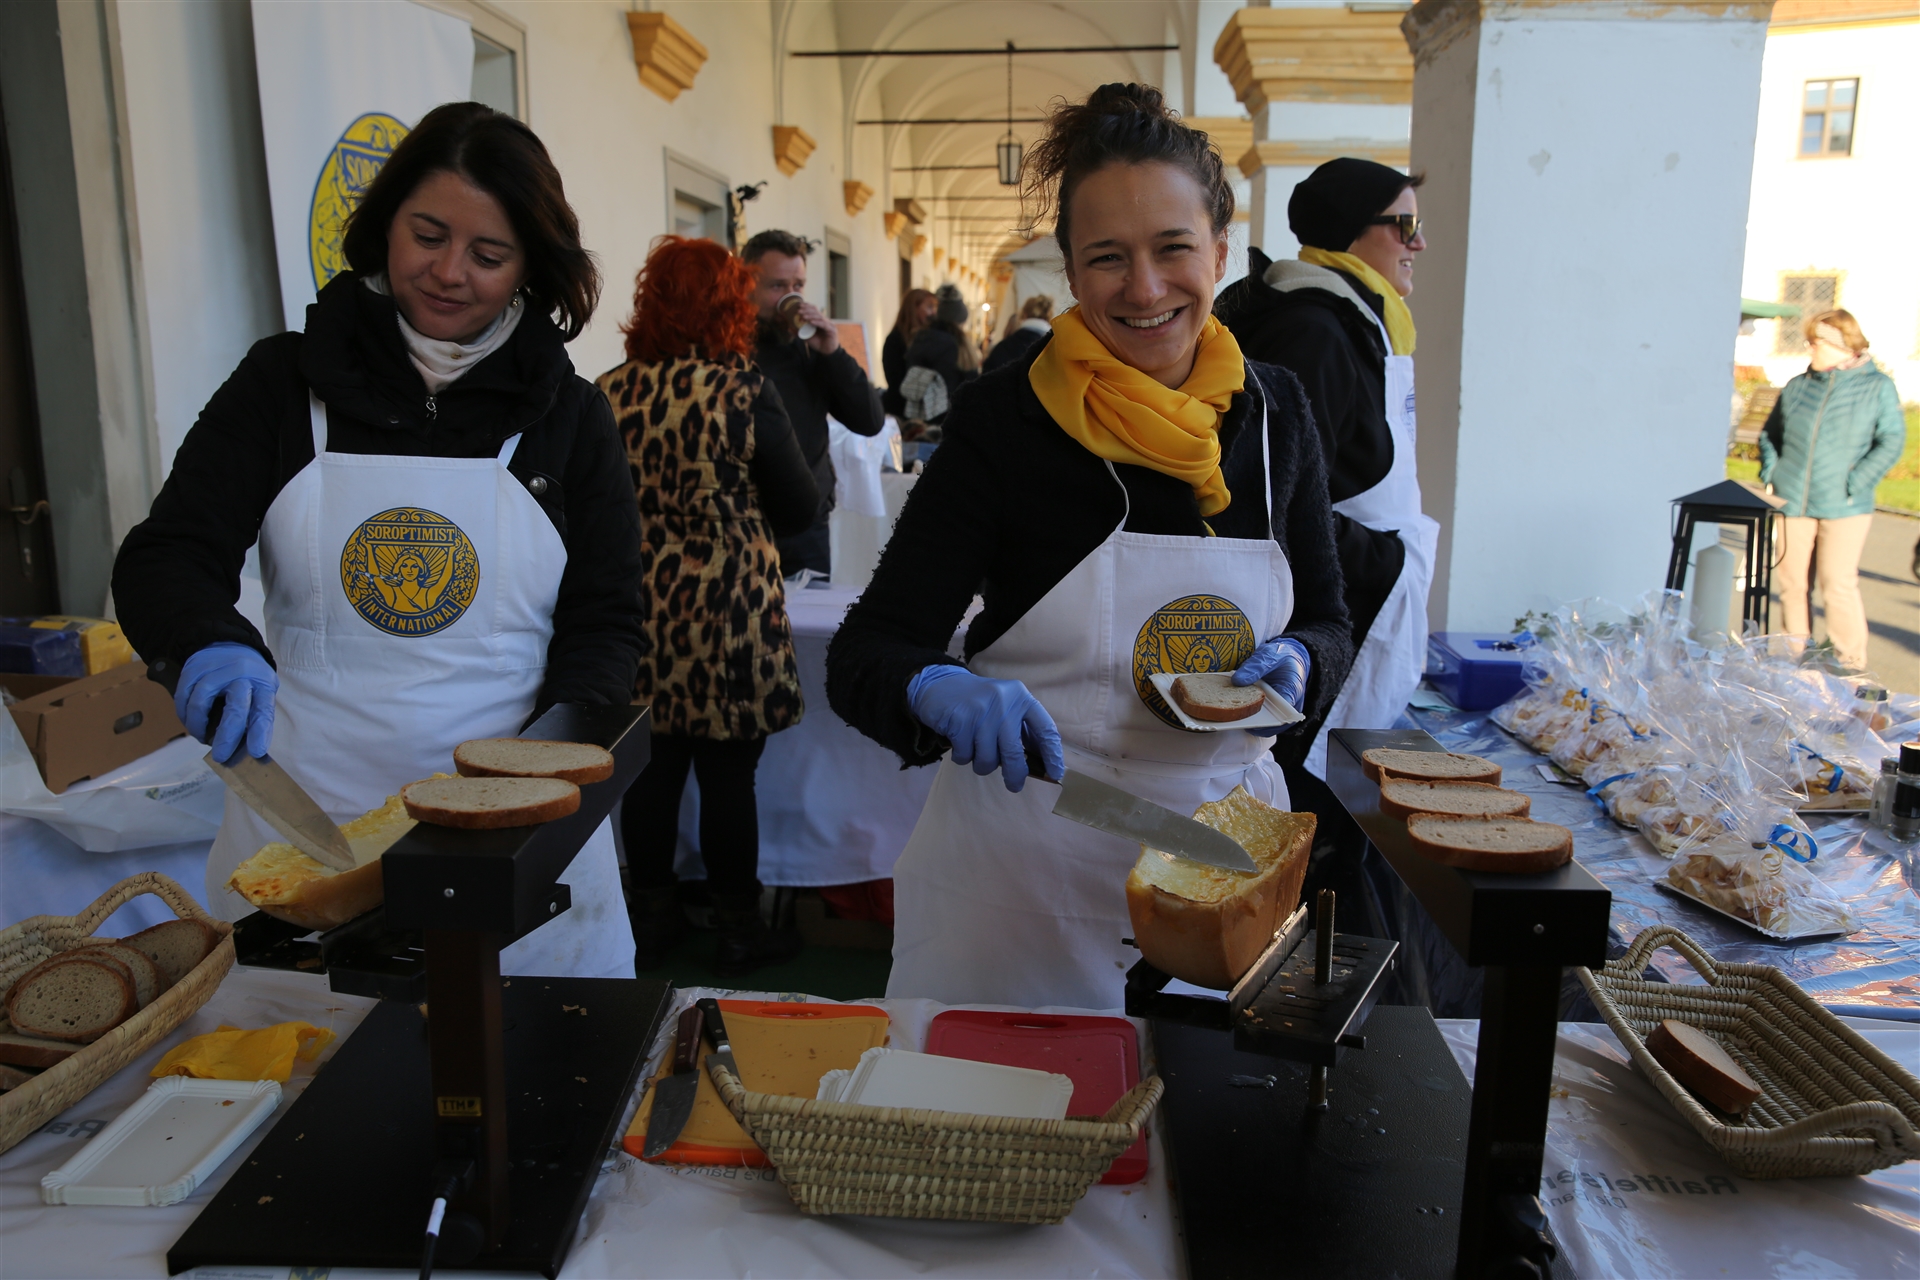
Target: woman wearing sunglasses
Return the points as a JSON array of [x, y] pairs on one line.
[[1338, 319]]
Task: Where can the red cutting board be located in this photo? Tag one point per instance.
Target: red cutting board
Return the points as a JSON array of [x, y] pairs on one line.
[[1100, 1055]]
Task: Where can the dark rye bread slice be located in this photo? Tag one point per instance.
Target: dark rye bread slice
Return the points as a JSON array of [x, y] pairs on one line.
[[1433, 766], [1403, 797], [1699, 1062], [1515, 846], [576, 762], [486, 803], [31, 1051], [1214, 697], [76, 999], [177, 946]]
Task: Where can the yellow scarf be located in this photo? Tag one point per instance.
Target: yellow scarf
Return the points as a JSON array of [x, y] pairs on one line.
[[1399, 319], [1123, 415]]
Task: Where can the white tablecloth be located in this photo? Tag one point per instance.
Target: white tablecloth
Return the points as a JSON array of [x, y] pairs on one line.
[[835, 806], [1608, 1129]]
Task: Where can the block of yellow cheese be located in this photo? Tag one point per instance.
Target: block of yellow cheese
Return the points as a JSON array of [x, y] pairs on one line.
[[288, 885]]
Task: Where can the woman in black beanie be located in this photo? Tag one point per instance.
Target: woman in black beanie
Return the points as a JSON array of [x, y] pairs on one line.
[[945, 348], [1337, 318]]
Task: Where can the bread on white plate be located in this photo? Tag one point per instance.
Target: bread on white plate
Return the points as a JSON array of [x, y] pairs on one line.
[[1403, 797], [1207, 925], [1213, 696], [289, 885], [1516, 846], [576, 762], [486, 803], [1435, 766], [76, 999]]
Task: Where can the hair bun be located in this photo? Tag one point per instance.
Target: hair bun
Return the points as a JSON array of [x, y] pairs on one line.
[[1117, 99]]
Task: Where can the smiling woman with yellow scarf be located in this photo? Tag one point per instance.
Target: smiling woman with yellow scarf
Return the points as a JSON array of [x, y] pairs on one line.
[[1135, 498]]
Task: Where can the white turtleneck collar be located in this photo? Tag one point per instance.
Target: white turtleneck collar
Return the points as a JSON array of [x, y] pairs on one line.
[[442, 363]]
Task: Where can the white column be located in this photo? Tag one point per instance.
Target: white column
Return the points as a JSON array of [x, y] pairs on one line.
[[1587, 171]]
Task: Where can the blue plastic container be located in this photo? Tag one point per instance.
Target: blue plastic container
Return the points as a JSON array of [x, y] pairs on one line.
[[1475, 670], [39, 651]]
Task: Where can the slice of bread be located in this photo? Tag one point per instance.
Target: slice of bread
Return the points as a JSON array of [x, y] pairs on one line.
[[1513, 845], [148, 978], [1205, 924], [1435, 766], [31, 1051], [13, 1077], [76, 999], [486, 803], [1403, 797], [1699, 1062], [1214, 696], [288, 885], [176, 946], [577, 762]]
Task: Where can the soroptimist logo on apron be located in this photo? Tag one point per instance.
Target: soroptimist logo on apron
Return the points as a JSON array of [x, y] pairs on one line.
[[1189, 635], [344, 178], [409, 572]]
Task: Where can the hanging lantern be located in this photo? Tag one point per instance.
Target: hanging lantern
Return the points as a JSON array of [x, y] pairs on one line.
[[1008, 156]]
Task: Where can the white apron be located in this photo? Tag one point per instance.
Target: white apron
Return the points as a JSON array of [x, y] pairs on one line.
[[996, 901], [409, 602], [1389, 662]]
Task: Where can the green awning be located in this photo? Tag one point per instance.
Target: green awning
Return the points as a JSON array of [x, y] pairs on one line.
[[1754, 309]]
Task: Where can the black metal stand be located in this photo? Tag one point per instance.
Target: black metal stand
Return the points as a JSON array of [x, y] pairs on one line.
[[1730, 502], [454, 899]]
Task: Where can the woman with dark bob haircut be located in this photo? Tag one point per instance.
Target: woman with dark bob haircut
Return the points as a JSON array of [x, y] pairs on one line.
[[446, 534], [1132, 497], [718, 475]]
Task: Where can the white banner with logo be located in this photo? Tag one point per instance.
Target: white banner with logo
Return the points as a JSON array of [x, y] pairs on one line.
[[340, 85]]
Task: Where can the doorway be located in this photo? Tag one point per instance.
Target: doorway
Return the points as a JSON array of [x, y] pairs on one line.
[[27, 585]]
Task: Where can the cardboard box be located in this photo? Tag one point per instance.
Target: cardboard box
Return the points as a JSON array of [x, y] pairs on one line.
[[82, 728]]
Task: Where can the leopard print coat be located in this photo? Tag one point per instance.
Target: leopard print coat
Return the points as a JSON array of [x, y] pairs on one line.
[[717, 650]]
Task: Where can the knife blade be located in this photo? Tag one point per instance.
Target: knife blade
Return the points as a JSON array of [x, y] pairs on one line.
[[717, 1032], [673, 1096], [267, 789], [1104, 807]]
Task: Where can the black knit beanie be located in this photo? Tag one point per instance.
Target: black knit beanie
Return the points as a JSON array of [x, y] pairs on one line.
[[952, 307], [1333, 206]]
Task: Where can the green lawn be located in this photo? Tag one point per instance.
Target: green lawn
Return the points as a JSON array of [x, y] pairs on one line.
[[1901, 487]]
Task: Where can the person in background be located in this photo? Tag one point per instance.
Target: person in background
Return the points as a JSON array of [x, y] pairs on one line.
[[1834, 432], [815, 379], [1337, 318], [445, 525], [718, 475], [945, 348], [916, 313], [1024, 332]]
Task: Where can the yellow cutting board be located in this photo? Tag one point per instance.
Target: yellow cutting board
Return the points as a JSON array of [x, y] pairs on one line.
[[780, 1049]]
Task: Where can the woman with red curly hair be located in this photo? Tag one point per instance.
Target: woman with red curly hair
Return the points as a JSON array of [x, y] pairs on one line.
[[718, 475]]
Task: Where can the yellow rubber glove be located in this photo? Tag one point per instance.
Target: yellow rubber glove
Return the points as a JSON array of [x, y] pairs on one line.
[[233, 1054]]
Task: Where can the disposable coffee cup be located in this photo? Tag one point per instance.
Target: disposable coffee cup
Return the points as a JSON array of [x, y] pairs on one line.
[[788, 309]]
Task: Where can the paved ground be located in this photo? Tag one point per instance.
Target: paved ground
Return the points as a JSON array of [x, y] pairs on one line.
[[1892, 597]]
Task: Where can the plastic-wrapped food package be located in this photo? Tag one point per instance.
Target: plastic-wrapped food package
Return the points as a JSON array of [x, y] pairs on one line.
[[1761, 885]]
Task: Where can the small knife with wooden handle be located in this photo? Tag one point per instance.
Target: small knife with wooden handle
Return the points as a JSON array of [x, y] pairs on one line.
[[673, 1095]]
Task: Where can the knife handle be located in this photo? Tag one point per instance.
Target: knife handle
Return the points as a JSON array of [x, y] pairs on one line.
[[716, 1025], [686, 1041], [1036, 763]]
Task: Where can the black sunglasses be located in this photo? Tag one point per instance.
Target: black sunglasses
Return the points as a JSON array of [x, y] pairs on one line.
[[1409, 224]]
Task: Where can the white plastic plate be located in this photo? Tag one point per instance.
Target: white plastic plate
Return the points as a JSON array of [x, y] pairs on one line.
[[164, 1145], [1277, 714], [899, 1078]]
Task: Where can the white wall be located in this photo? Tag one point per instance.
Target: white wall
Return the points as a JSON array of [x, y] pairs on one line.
[[1575, 303], [1839, 214]]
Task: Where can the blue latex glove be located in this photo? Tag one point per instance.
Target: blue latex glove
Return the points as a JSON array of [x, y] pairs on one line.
[[1283, 663], [987, 721], [237, 673]]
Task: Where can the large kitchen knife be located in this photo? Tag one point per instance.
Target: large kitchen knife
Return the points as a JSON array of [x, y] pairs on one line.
[[673, 1095], [717, 1032], [1093, 803], [264, 787]]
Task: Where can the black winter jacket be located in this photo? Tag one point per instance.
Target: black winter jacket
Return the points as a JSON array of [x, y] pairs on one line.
[[178, 573], [1010, 503], [1338, 355], [813, 386]]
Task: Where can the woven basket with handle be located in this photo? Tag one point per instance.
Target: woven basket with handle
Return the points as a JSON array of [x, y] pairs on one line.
[[836, 1157], [26, 944], [1830, 1104]]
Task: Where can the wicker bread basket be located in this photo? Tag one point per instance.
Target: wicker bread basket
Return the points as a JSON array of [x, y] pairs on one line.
[[26, 944], [1830, 1104], [836, 1157]]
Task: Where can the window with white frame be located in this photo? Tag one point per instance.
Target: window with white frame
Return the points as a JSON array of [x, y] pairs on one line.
[[1827, 111]]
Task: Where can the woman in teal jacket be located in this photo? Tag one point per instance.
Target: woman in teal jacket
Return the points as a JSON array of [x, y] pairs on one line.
[[1835, 431]]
